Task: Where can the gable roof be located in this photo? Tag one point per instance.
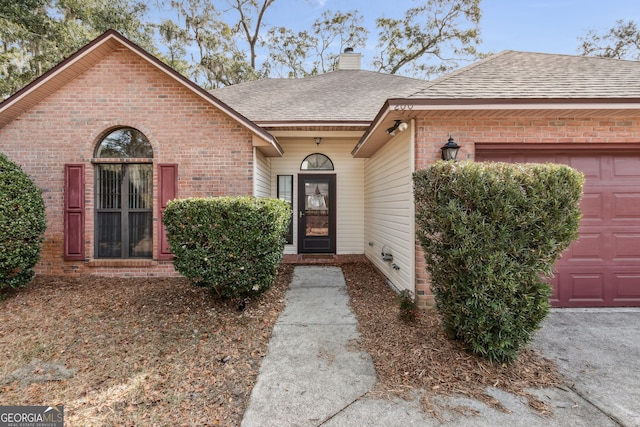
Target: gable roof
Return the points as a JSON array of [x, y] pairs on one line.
[[342, 96], [93, 52], [526, 75]]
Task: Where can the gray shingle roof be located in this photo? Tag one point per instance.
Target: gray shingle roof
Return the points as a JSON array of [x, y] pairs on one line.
[[342, 96], [515, 75], [357, 95]]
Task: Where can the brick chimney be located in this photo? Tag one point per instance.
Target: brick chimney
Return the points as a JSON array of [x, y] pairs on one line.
[[349, 60]]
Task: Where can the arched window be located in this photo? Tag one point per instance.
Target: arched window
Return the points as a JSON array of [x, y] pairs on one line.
[[125, 143], [124, 195], [316, 162]]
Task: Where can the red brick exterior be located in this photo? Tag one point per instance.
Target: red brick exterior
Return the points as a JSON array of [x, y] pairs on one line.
[[214, 152], [545, 128]]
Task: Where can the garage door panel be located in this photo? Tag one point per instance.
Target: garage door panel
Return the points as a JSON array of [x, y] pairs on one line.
[[601, 268], [626, 205], [591, 167], [626, 247], [626, 166], [588, 248], [592, 206], [578, 286], [627, 285], [586, 286]]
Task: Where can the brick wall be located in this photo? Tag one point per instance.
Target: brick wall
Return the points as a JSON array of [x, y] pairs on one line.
[[553, 128], [213, 152]]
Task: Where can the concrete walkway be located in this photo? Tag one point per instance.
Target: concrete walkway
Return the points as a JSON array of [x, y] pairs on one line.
[[312, 355], [314, 374]]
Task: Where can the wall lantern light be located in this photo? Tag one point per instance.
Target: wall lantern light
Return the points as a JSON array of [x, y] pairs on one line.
[[399, 125], [450, 150]]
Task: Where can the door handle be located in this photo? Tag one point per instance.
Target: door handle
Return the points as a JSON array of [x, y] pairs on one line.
[[301, 214]]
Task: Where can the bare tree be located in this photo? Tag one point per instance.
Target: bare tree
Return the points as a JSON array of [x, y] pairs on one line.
[[334, 32], [444, 30], [251, 16], [621, 42]]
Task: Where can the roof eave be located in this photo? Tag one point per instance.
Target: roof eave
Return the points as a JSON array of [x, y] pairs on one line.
[[400, 109], [424, 104], [312, 123]]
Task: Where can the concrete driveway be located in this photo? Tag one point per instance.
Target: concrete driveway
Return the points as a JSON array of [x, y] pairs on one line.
[[599, 352]]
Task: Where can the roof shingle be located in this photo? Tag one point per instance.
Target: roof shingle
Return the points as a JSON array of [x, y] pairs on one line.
[[525, 75], [338, 96]]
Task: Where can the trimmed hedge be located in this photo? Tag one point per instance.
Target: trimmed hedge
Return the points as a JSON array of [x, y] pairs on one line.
[[22, 225], [491, 232], [231, 245]]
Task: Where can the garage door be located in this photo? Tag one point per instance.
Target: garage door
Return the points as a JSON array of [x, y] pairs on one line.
[[601, 268]]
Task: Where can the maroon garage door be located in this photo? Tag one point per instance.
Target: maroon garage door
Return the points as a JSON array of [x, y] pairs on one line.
[[601, 268]]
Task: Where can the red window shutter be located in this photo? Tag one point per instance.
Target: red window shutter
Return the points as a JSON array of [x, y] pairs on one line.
[[74, 212], [167, 190]]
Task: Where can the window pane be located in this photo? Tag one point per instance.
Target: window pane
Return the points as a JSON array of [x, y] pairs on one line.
[[140, 238], [124, 203], [125, 143], [285, 192], [109, 186], [140, 186], [316, 161], [108, 238], [317, 208]]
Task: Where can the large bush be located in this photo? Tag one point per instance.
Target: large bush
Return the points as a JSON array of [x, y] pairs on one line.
[[22, 225], [232, 245], [491, 232]]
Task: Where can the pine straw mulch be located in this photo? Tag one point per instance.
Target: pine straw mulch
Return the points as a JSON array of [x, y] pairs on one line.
[[121, 352], [159, 351], [418, 356]]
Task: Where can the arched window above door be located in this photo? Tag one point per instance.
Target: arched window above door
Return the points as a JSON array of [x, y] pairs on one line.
[[316, 162], [125, 143]]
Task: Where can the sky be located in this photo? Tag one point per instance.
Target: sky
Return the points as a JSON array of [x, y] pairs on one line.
[[549, 26]]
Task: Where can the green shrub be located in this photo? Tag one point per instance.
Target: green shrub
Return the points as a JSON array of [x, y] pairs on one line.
[[491, 232], [408, 310], [22, 225], [231, 245]]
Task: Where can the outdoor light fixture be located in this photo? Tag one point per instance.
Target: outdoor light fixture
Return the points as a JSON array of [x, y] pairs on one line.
[[399, 125], [317, 140], [450, 150]]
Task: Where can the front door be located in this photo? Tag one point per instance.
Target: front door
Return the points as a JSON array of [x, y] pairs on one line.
[[316, 213]]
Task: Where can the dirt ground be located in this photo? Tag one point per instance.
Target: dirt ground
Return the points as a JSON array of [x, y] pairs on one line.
[[159, 351]]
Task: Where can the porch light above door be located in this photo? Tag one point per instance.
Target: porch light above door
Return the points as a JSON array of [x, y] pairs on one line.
[[450, 150]]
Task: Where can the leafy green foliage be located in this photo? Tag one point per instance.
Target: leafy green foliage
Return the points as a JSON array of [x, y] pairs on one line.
[[219, 45], [231, 245], [490, 232], [35, 35], [408, 309], [22, 224]]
